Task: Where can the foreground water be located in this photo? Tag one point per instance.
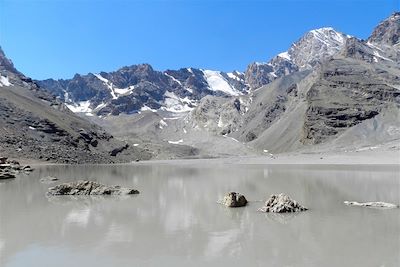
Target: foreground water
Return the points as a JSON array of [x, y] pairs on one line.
[[176, 220]]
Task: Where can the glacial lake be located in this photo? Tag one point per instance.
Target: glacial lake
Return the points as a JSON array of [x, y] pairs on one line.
[[176, 220]]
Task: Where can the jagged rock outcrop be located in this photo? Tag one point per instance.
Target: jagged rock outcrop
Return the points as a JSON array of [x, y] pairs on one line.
[[234, 200], [280, 204], [387, 32], [89, 188]]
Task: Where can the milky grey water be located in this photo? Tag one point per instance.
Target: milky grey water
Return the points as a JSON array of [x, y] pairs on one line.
[[176, 220]]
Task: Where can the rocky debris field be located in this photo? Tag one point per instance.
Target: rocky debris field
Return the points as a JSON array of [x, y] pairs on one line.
[[10, 168], [281, 203], [89, 188]]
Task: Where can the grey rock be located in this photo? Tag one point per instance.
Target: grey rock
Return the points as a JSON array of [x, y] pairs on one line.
[[10, 168], [383, 205], [281, 203], [234, 200], [48, 179], [89, 188], [388, 31]]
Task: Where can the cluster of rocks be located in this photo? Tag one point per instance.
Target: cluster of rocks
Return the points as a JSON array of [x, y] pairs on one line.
[[89, 188], [281, 203], [275, 203], [10, 168]]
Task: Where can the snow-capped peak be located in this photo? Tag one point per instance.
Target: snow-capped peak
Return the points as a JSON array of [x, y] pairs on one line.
[[328, 35]]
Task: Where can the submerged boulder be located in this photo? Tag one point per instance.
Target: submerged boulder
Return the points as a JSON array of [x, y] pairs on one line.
[[48, 179], [281, 203], [378, 204], [89, 188], [234, 200]]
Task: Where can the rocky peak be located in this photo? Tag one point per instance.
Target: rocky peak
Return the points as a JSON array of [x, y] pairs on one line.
[[315, 46], [387, 32], [6, 64]]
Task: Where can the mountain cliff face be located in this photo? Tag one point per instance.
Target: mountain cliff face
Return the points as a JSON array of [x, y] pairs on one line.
[[140, 87], [35, 125]]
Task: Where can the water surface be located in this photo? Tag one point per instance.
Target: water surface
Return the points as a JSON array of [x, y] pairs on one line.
[[176, 221]]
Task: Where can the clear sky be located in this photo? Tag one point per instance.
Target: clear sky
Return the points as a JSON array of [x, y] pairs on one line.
[[58, 38]]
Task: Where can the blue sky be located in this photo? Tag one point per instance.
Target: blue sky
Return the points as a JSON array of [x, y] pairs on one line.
[[58, 38]]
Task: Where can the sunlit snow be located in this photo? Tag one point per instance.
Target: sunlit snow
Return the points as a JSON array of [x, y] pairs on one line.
[[217, 82]]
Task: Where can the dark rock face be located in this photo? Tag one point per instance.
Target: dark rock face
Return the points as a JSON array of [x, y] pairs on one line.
[[234, 200], [89, 188], [281, 203], [388, 31]]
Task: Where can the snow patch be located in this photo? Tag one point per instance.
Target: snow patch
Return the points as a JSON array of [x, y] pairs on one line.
[[217, 82], [173, 103], [285, 55], [235, 76], [176, 142], [82, 106], [162, 124], [146, 108], [173, 78], [107, 83], [4, 81]]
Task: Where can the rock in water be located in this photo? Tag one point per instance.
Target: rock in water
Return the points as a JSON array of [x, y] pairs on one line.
[[48, 179], [6, 174], [234, 200], [383, 205], [281, 203], [10, 168], [89, 188]]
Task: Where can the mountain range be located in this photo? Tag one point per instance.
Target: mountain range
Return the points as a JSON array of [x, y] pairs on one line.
[[329, 90]]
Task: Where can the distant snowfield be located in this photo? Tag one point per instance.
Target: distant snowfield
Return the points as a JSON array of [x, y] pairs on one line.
[[83, 107], [217, 82], [176, 142], [173, 103]]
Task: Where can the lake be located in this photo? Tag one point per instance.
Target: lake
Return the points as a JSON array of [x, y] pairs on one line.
[[176, 220]]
